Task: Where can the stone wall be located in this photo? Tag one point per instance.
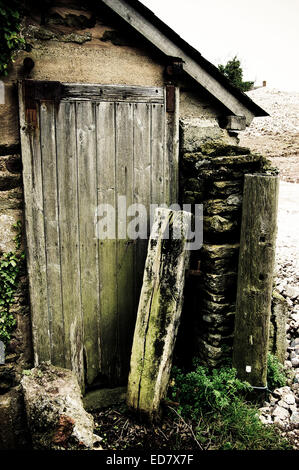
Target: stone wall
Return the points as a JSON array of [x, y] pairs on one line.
[[18, 351], [212, 173]]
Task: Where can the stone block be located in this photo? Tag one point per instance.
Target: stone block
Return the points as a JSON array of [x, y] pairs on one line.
[[277, 340], [215, 307], [232, 203], [225, 188], [7, 231], [220, 283], [196, 131], [218, 224], [219, 298], [7, 375], [234, 123], [11, 199], [55, 413], [9, 118], [225, 251], [214, 320], [13, 428], [208, 353], [9, 180], [217, 339]]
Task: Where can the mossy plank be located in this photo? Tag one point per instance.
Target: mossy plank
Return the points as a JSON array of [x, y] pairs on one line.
[[35, 232], [52, 239], [125, 273], [255, 276], [69, 238], [89, 263], [159, 313], [105, 127]]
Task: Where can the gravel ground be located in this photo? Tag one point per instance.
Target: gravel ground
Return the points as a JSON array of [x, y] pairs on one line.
[[282, 407]]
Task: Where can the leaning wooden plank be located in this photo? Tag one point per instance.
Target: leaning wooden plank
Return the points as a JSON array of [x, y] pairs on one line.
[[158, 312], [34, 218], [255, 275]]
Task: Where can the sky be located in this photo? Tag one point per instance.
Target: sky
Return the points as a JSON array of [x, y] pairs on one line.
[[264, 34]]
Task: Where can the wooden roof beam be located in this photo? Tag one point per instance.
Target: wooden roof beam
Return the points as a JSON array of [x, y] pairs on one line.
[[166, 46]]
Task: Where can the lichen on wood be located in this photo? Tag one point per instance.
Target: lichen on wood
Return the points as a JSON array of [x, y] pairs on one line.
[[158, 313], [255, 277]]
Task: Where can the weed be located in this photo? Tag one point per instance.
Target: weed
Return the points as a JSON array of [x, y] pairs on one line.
[[275, 374], [215, 402], [10, 267]]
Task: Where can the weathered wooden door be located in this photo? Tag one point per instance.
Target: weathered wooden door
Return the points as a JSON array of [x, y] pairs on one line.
[[82, 146]]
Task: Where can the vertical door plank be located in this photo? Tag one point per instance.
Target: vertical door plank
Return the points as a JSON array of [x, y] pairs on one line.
[[87, 197], [34, 219], [158, 154], [125, 247], [171, 167], [69, 237], [142, 184], [52, 241], [105, 122]]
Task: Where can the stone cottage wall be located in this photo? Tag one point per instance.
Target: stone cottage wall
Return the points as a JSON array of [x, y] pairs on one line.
[[18, 350], [212, 173]]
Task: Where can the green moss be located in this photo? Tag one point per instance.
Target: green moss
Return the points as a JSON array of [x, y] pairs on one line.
[[275, 373], [11, 265], [276, 295], [10, 37], [189, 197], [217, 150], [192, 184]]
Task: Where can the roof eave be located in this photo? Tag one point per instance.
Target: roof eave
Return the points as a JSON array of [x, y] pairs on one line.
[[170, 43]]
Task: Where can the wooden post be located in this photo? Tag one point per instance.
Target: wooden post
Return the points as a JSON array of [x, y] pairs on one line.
[[255, 275], [159, 313]]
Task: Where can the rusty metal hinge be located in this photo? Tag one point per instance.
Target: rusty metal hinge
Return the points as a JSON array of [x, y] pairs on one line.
[[36, 91], [170, 98]]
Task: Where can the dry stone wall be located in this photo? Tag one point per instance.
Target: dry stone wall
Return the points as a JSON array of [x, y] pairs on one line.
[[18, 355], [212, 173]]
